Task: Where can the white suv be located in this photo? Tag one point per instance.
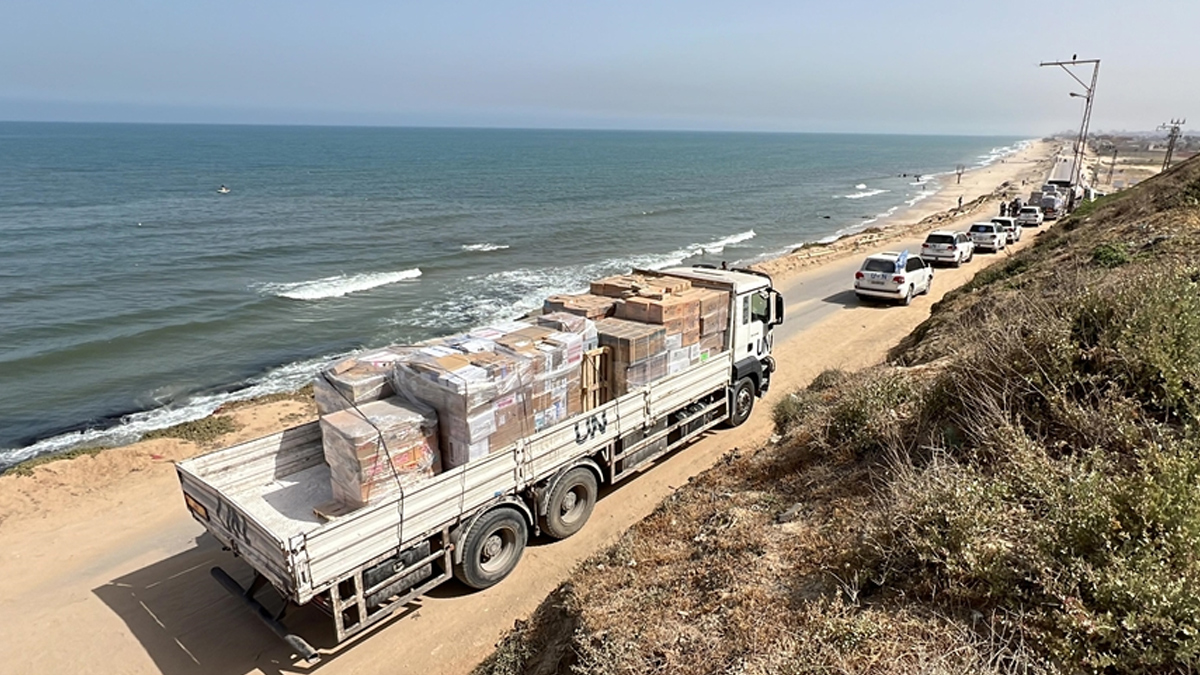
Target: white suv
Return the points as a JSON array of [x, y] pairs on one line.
[[989, 235], [893, 276], [955, 248], [1011, 228], [1031, 216]]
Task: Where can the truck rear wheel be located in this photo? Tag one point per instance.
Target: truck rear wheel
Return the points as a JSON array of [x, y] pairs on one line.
[[570, 503], [492, 548], [741, 402]]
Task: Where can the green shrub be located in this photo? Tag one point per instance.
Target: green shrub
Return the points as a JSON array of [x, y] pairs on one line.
[[1110, 255], [199, 431]]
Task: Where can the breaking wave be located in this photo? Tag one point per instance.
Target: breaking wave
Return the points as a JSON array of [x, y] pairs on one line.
[[337, 286]]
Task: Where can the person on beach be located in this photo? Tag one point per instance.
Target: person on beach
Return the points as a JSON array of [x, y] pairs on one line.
[[1003, 209], [960, 202]]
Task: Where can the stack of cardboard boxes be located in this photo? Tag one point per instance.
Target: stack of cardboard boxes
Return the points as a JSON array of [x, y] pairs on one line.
[[392, 416], [376, 449]]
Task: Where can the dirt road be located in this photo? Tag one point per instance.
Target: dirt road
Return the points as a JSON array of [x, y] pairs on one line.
[[124, 587]]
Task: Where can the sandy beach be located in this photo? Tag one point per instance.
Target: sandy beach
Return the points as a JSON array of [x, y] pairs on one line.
[[80, 535]]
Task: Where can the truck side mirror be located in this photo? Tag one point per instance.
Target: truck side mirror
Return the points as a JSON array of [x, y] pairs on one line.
[[777, 309]]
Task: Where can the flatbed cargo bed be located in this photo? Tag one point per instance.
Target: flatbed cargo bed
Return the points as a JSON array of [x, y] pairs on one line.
[[258, 498]]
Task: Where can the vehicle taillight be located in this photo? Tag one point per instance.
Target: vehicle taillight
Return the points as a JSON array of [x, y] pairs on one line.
[[899, 279], [925, 245], [859, 275]]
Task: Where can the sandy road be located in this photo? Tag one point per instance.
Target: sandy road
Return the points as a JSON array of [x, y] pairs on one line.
[[123, 587]]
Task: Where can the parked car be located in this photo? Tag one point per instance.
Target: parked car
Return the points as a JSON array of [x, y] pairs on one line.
[[1011, 228], [1030, 216], [955, 248], [989, 236], [893, 276]]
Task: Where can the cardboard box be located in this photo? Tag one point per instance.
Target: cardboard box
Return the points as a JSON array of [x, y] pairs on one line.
[[589, 306], [636, 284], [630, 376], [714, 322], [673, 308], [362, 378], [631, 341], [379, 449]]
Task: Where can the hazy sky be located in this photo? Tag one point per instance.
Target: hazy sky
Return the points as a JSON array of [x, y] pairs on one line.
[[919, 66]]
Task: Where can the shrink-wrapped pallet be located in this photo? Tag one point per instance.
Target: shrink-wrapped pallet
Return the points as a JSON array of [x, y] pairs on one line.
[[631, 341], [359, 379], [377, 449], [555, 357], [571, 323], [630, 376], [589, 306], [482, 398]]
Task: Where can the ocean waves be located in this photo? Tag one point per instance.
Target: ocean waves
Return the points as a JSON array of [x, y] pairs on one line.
[[484, 248], [336, 286]]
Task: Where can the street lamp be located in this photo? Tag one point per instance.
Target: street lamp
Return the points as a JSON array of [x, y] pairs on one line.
[[1081, 142]]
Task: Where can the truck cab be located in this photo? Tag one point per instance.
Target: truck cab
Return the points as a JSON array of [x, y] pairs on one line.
[[756, 309]]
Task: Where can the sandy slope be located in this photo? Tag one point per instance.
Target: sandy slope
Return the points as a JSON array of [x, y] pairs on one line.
[[106, 572]]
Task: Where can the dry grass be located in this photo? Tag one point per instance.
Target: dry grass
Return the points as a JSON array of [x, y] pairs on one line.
[[1014, 494]]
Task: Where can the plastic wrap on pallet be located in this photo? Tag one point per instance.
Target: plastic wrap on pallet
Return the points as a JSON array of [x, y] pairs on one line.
[[572, 323], [481, 398], [362, 378], [711, 345], [378, 449], [631, 341], [630, 376]]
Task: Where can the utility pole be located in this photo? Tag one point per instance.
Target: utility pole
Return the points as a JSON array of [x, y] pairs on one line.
[[1081, 142], [1172, 128], [959, 170]]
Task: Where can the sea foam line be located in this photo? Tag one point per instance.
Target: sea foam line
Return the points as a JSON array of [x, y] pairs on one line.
[[337, 286], [865, 193], [132, 427], [484, 248]]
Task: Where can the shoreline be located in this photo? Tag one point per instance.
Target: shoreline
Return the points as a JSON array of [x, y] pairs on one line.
[[105, 434]]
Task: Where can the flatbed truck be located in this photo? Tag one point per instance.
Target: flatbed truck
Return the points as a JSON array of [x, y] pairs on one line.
[[470, 522]]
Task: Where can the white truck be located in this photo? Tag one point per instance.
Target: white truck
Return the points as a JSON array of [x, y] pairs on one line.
[[470, 522]]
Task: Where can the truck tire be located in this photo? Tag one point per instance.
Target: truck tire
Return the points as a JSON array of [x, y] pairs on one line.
[[492, 548], [570, 504], [741, 402]]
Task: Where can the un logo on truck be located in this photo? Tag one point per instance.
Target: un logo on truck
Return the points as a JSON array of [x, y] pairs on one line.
[[586, 430]]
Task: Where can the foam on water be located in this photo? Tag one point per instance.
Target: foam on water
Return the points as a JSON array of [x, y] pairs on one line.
[[337, 286], [132, 427], [484, 248], [865, 193]]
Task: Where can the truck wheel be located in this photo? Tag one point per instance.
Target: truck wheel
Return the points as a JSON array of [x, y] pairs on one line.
[[741, 402], [492, 548], [570, 504]]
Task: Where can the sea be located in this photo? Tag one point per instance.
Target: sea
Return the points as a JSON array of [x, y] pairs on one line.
[[134, 296]]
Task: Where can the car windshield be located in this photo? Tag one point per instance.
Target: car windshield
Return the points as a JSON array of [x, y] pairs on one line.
[[878, 265], [984, 229], [939, 239]]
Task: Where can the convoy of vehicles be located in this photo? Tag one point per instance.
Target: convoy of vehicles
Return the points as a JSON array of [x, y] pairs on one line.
[[944, 246], [989, 236], [471, 522], [895, 276]]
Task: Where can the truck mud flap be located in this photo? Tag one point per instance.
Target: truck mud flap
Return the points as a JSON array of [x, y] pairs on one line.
[[297, 643]]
